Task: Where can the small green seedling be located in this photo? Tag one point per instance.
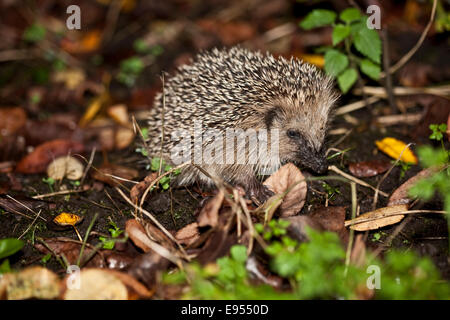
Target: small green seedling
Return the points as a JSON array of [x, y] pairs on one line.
[[50, 182], [155, 165], [330, 190], [438, 131], [108, 243], [35, 33], [130, 69], [46, 258]]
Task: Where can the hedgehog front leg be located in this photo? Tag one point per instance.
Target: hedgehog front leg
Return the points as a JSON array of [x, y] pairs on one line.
[[255, 189]]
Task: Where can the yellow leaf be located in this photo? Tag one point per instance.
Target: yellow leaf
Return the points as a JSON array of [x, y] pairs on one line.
[[315, 59], [394, 148], [94, 107], [67, 219]]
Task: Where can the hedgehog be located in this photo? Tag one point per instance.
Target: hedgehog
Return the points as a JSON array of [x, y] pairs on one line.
[[284, 103]]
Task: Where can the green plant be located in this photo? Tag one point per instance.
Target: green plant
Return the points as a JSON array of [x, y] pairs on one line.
[[50, 182], [34, 33], [158, 165], [438, 182], [350, 31], [276, 228], [438, 133], [315, 269], [8, 247], [130, 69], [227, 279], [108, 243], [330, 190], [404, 167]]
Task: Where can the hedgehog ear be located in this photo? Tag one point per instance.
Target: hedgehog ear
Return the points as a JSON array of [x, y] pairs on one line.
[[270, 115]]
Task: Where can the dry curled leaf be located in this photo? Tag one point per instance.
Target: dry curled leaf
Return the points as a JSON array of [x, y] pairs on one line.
[[378, 218], [209, 215], [394, 148], [288, 176], [188, 234], [131, 227], [67, 166], [369, 168]]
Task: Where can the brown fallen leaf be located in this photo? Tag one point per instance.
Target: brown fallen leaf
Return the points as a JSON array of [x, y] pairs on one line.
[[106, 171], [284, 178], [400, 195], [378, 218], [38, 160], [131, 227], [209, 214], [71, 250], [139, 189], [369, 168], [32, 282], [188, 234]]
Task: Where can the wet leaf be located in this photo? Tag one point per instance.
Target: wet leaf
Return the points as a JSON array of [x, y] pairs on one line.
[[378, 218], [369, 168], [393, 148], [283, 179], [38, 160]]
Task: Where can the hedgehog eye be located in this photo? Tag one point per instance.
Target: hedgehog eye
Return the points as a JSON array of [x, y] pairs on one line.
[[294, 134]]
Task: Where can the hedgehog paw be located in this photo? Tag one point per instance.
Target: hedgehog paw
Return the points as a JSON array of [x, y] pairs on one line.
[[259, 193]]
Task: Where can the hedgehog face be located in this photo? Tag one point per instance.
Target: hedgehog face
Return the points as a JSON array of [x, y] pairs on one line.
[[301, 137]]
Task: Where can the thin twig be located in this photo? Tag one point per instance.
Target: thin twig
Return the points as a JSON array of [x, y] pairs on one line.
[[153, 219], [386, 64], [416, 47], [25, 232], [352, 232], [352, 178], [375, 198]]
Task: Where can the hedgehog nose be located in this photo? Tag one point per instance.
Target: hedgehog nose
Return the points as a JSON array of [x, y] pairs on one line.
[[320, 164]]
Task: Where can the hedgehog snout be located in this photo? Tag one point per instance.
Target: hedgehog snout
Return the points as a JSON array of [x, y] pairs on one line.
[[314, 160]]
